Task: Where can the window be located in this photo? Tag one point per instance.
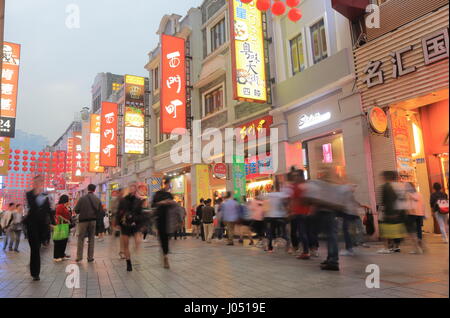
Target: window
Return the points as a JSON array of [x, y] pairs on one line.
[[319, 41], [218, 35], [156, 78], [297, 55], [213, 101], [116, 86], [160, 137]]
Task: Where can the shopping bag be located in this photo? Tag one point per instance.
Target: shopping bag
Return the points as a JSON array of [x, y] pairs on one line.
[[443, 206], [60, 232], [392, 231]]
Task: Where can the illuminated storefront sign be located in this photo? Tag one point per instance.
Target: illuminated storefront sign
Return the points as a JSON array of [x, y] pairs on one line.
[[77, 158], [254, 129], [173, 85], [258, 166], [307, 121], [108, 135], [247, 45], [327, 151], [134, 115], [94, 145], [378, 120], [9, 82]]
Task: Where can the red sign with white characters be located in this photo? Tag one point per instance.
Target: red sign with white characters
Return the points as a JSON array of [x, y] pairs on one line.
[[255, 129], [108, 138], [220, 170], [173, 85]]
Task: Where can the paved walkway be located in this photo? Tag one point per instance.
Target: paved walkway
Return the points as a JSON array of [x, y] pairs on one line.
[[200, 270]]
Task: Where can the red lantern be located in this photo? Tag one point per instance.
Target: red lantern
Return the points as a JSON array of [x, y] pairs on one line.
[[47, 154], [25, 152], [16, 168], [292, 3], [17, 157], [16, 163], [25, 158], [40, 153], [33, 153], [17, 151], [263, 5], [278, 8], [295, 14], [246, 1]]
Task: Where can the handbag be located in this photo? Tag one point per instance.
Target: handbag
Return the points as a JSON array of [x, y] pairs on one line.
[[443, 206], [60, 232]]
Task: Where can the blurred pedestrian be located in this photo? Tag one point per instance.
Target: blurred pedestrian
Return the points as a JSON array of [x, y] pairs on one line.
[[100, 228], [208, 214], [130, 218], [395, 202], [63, 216], [276, 216], [198, 213], [195, 222], [7, 226], [181, 231], [218, 224], [230, 210], [245, 222], [36, 223], [17, 227], [438, 200], [415, 217], [256, 207], [88, 208], [162, 201]]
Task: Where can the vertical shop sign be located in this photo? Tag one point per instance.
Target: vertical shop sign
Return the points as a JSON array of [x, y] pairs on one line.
[[108, 135]]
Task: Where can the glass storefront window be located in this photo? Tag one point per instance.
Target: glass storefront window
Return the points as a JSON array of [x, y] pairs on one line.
[[324, 153]]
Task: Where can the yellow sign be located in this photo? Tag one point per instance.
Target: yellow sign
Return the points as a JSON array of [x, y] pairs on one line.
[[247, 42], [134, 80], [202, 174], [378, 120], [4, 156]]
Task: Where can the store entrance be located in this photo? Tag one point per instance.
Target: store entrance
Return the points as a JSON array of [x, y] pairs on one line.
[[421, 140], [324, 153]]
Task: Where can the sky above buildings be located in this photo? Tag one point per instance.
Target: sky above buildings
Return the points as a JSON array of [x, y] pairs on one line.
[[58, 64]]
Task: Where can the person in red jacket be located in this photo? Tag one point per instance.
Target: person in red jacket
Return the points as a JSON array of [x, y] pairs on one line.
[[62, 216], [298, 214]]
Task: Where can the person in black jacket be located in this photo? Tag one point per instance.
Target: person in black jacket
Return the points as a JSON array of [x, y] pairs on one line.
[[36, 223], [199, 216], [130, 218], [162, 201]]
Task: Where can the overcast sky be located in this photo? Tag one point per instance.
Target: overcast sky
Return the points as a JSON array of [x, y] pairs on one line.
[[58, 64]]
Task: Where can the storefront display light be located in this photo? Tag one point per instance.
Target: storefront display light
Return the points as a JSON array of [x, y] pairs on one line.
[[417, 137], [259, 184]]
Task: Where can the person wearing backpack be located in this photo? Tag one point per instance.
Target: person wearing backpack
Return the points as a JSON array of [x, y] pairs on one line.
[[438, 201], [88, 208], [131, 220], [7, 225]]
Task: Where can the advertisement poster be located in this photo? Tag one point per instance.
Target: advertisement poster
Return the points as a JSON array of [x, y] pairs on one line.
[[108, 135], [247, 46], [10, 82], [202, 173], [239, 178], [402, 143], [173, 84], [134, 115]]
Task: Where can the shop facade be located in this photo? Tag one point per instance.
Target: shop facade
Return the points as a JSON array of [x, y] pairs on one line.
[[405, 73]]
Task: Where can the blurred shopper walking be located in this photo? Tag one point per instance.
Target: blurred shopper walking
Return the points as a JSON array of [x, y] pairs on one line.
[[275, 218], [198, 213], [195, 223], [130, 218], [162, 201], [395, 203], [439, 205], [36, 223], [230, 210], [88, 208], [415, 217], [7, 226], [256, 207], [245, 222], [218, 224]]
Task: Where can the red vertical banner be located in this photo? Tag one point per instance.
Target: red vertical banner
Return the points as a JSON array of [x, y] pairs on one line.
[[173, 85], [108, 135], [9, 82]]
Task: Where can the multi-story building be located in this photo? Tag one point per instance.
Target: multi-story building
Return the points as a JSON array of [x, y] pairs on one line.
[[318, 109], [402, 69], [105, 84]]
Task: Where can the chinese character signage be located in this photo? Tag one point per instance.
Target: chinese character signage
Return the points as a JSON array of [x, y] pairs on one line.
[[4, 156], [108, 135], [256, 129], [258, 166], [134, 114], [77, 158], [239, 178], [9, 82], [247, 43], [94, 145], [173, 85], [202, 178], [402, 144]]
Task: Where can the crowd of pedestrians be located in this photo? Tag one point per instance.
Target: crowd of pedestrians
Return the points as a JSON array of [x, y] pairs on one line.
[[295, 216]]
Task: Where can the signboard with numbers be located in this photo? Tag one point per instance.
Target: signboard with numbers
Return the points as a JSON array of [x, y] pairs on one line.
[[248, 58], [173, 85], [108, 135], [9, 82]]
